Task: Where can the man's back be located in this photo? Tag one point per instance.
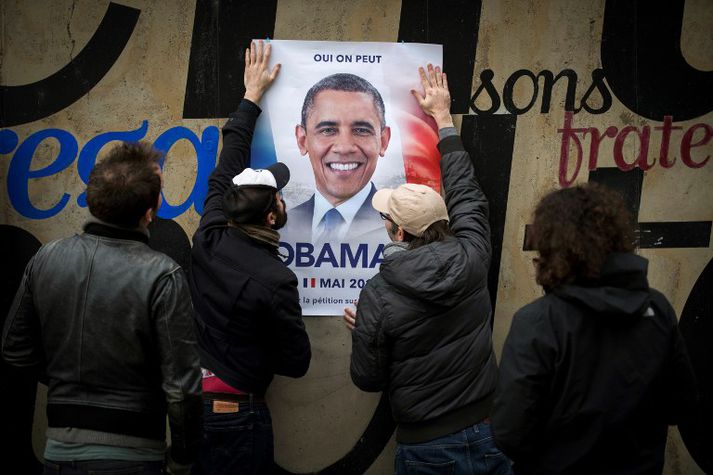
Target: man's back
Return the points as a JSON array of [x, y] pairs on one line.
[[245, 299], [97, 322], [593, 372], [114, 320], [428, 310], [248, 316], [108, 321], [423, 326], [605, 377]]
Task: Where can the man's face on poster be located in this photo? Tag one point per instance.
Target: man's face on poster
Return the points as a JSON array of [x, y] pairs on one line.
[[344, 138]]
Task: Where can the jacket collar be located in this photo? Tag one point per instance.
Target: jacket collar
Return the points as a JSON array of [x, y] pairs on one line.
[[101, 228]]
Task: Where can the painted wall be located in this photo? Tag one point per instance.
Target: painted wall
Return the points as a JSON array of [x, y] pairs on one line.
[[548, 93]]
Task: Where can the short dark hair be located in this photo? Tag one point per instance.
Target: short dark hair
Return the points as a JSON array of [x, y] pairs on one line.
[[574, 231], [437, 231], [249, 204], [343, 82], [125, 184]]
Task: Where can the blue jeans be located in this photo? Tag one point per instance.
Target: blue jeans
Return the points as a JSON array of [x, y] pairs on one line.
[[239, 442], [103, 467], [471, 451]]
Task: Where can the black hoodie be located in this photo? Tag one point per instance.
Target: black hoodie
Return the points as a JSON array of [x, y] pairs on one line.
[[591, 376]]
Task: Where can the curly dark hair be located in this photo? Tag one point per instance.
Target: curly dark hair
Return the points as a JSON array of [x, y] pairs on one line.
[[575, 230]]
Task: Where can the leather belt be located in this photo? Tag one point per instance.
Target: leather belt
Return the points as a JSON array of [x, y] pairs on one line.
[[233, 397]]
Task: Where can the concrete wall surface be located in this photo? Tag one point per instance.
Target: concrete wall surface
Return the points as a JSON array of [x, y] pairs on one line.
[[73, 70]]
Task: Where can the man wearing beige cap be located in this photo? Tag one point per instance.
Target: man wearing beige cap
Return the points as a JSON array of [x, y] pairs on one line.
[[423, 331]]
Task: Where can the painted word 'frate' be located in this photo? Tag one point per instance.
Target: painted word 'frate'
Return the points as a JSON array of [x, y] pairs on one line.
[[642, 135]]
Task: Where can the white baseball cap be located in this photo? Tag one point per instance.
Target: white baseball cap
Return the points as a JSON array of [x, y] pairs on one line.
[[275, 176]]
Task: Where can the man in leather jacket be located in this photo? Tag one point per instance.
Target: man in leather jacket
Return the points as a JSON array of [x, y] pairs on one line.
[[423, 326], [109, 322]]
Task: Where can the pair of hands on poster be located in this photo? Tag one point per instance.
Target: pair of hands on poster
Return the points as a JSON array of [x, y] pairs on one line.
[[258, 76]]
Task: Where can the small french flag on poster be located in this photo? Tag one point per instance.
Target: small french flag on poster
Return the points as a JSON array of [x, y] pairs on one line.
[[309, 282]]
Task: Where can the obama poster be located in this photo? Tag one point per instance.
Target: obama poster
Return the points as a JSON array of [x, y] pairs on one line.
[[341, 116]]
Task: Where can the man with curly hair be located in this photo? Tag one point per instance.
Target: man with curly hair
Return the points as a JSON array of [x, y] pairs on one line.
[[593, 372]]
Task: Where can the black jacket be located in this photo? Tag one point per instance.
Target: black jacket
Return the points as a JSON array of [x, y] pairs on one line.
[[591, 376], [422, 329], [246, 300], [110, 321]]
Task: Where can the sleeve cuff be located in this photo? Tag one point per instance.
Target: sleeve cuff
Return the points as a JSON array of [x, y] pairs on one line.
[[249, 106], [447, 132], [451, 143]]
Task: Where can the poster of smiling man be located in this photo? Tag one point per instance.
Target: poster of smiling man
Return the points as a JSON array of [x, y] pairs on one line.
[[342, 117]]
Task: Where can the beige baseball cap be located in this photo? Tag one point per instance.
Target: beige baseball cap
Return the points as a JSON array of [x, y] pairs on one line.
[[412, 206]]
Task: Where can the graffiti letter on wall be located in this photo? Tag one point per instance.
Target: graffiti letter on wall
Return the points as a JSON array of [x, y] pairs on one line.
[[29, 102], [640, 161], [19, 173], [686, 145], [206, 150], [645, 68], [568, 133]]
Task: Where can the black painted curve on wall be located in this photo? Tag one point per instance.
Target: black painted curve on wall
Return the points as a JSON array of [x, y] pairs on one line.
[[30, 102], [222, 29], [168, 236], [19, 387], [369, 446], [696, 326], [643, 63], [490, 140], [454, 24]]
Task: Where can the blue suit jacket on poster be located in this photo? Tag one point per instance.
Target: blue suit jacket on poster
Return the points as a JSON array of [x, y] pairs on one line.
[[367, 225]]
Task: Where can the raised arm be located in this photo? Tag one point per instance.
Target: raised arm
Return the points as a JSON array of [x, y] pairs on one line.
[[238, 131], [467, 205]]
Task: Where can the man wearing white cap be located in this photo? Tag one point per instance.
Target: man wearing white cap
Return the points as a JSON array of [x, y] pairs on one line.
[[248, 317], [423, 327]]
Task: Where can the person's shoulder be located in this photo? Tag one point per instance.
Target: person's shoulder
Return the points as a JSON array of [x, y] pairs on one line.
[[59, 243], [537, 310], [64, 245], [377, 287], [261, 265], [660, 301], [162, 262]]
